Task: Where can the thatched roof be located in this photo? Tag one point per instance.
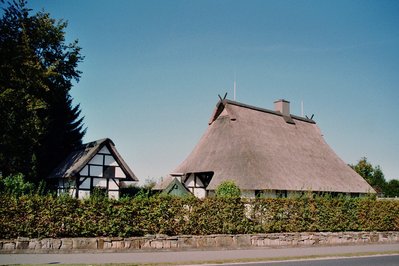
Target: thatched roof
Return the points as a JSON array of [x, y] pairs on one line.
[[260, 149], [77, 159]]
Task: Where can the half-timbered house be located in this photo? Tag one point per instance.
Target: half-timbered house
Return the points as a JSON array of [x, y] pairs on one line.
[[93, 166]]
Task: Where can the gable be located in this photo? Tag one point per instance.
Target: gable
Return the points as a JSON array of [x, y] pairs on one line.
[[103, 164], [222, 110], [97, 159], [176, 188]]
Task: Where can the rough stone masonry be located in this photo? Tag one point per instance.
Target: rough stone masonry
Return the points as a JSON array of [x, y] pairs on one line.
[[158, 242]]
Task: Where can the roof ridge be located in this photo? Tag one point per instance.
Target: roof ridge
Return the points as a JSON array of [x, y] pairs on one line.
[[95, 143], [260, 109]]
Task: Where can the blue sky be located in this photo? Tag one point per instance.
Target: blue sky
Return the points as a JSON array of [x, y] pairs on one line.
[[153, 70]]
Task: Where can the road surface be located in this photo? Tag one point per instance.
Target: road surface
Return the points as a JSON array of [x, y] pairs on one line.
[[385, 260], [200, 256]]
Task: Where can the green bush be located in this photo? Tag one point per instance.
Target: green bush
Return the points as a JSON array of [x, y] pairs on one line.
[[228, 189], [39, 216], [15, 185]]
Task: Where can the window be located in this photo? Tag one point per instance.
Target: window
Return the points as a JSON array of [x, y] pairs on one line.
[[109, 172], [281, 193]]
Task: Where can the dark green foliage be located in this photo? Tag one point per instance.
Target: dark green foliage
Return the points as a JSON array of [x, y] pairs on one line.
[[50, 216], [392, 188], [64, 134], [39, 125], [145, 191]]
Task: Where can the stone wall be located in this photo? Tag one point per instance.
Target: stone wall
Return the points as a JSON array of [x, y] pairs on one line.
[[158, 242]]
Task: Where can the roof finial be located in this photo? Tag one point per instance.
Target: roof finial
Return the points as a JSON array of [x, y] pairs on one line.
[[224, 97]]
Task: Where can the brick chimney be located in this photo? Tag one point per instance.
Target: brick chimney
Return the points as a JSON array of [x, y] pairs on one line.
[[282, 106]]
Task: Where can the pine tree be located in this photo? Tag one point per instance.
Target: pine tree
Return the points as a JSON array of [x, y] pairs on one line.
[[64, 134]]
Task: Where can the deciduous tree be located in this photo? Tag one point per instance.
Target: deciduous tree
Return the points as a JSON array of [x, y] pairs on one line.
[[372, 174], [39, 124]]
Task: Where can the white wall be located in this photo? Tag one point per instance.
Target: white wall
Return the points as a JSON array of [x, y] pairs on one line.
[[249, 194]]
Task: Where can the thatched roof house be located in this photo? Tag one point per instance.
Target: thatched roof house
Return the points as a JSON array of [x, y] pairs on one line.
[[265, 152], [95, 165]]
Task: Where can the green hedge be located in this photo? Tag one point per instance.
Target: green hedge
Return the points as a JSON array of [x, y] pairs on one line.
[[324, 214], [48, 216]]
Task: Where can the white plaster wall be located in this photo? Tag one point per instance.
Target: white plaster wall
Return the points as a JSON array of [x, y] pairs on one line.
[[60, 191], [119, 173], [84, 171], [83, 194], [113, 194], [249, 194], [199, 183], [113, 184], [110, 160], [199, 193], [100, 182], [190, 181], [97, 159], [85, 184], [127, 183], [96, 171], [72, 192], [104, 150]]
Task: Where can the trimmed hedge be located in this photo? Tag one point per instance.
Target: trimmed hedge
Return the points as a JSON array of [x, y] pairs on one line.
[[324, 214], [48, 216]]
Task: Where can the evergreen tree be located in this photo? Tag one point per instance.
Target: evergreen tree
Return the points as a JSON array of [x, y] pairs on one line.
[[39, 124], [64, 134]]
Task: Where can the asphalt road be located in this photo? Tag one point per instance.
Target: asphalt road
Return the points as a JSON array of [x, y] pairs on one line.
[[199, 256], [385, 260]]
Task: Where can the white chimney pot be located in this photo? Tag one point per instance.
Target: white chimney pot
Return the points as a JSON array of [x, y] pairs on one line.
[[282, 106]]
